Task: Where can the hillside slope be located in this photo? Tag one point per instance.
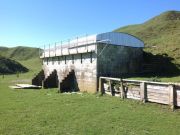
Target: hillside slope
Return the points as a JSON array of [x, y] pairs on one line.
[[8, 66], [160, 34], [21, 56], [19, 53]]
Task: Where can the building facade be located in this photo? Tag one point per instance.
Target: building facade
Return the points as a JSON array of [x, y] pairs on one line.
[[77, 64]]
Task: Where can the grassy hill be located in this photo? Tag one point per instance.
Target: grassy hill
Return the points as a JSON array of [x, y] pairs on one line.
[[19, 53], [21, 56], [160, 34], [8, 66]]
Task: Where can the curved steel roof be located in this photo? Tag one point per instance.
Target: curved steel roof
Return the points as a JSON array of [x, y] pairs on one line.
[[117, 38]]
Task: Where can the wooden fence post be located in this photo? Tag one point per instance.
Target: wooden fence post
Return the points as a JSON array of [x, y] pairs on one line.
[[42, 84], [122, 90], [110, 87], [101, 87], [143, 91], [172, 96]]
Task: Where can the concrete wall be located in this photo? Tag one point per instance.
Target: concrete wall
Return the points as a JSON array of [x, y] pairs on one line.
[[84, 66]]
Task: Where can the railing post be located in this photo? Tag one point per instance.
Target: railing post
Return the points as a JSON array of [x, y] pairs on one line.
[[49, 50], [55, 49], [68, 46], [61, 48], [143, 91], [77, 41], [86, 47], [44, 51], [172, 96]]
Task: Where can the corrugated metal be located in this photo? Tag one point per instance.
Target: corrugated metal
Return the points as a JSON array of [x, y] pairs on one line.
[[123, 39]]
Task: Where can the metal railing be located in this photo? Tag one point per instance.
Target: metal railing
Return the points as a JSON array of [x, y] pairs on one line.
[[52, 49]]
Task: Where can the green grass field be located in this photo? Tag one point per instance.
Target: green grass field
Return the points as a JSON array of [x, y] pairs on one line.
[[42, 112]]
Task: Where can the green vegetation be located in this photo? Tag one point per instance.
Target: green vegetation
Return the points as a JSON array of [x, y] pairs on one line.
[[48, 112], [12, 58], [8, 66], [19, 53], [161, 34], [34, 65]]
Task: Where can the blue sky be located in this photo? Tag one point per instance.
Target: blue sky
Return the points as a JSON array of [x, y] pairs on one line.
[[38, 22]]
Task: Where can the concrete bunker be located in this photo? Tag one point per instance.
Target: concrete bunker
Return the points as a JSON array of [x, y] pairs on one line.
[[79, 62]]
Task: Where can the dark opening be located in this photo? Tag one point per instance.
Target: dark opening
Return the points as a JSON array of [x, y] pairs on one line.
[[37, 80], [52, 80], [69, 84]]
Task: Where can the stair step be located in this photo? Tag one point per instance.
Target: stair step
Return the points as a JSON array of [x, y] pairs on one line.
[[65, 75]]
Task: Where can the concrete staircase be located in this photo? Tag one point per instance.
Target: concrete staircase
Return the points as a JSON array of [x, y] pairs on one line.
[[51, 81], [37, 80], [64, 75], [68, 82], [54, 79]]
